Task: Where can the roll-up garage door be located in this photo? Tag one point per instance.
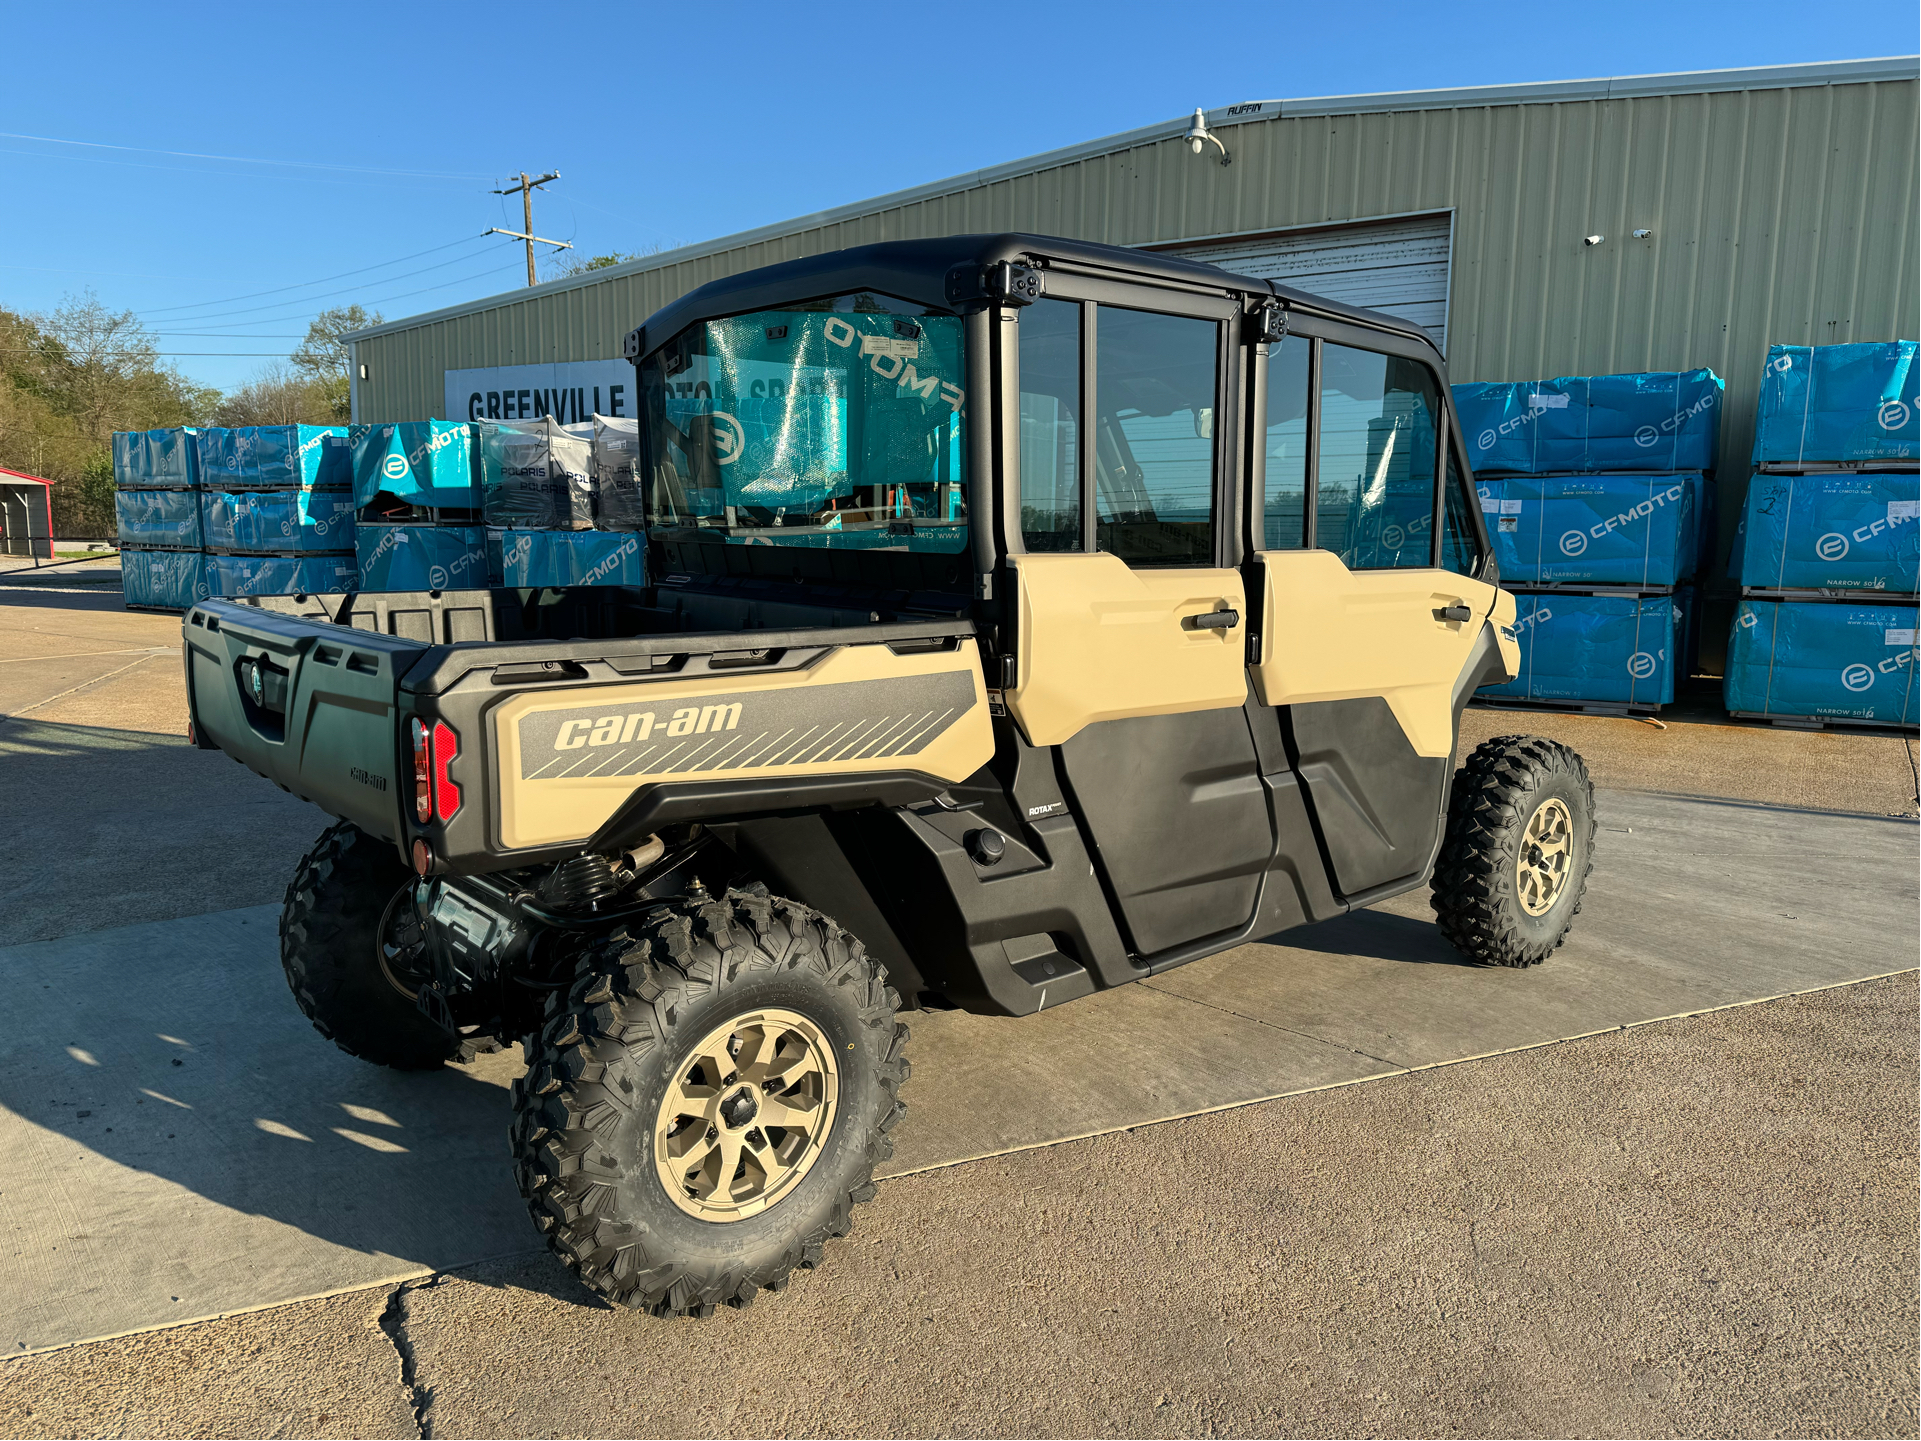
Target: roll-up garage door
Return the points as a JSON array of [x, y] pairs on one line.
[[1399, 266]]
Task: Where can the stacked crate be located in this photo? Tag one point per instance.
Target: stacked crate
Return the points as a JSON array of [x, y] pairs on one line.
[[276, 510], [156, 504], [1829, 541], [1598, 494], [416, 494], [561, 503]]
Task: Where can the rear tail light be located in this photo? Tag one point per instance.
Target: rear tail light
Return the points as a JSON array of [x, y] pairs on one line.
[[423, 772], [435, 750], [446, 745]]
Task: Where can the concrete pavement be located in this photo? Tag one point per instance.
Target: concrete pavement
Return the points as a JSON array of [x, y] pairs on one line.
[[1700, 1228], [196, 1149]]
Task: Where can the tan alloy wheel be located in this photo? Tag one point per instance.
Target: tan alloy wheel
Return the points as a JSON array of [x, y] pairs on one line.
[[747, 1116], [1547, 857]]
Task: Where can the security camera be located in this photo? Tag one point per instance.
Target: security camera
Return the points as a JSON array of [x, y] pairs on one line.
[[1198, 137], [1592, 239]]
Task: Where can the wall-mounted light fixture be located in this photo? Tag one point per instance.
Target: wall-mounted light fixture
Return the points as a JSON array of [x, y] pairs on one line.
[[1198, 137], [363, 372], [1642, 234], [1592, 239]]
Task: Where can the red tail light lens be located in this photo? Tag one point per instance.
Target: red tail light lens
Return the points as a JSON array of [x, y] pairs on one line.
[[423, 771], [446, 745]]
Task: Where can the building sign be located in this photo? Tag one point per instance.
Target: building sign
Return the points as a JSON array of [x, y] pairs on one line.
[[571, 391]]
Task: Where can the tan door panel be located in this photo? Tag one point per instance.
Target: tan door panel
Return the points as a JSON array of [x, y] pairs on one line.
[[1331, 633], [1100, 641], [568, 757]]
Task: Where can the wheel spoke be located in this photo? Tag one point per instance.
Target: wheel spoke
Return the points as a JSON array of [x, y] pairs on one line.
[[793, 1112]]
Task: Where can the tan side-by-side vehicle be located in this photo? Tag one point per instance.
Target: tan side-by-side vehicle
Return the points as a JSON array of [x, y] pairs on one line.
[[1027, 617]]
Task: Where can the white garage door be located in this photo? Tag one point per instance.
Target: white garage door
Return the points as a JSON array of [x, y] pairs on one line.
[[1399, 266]]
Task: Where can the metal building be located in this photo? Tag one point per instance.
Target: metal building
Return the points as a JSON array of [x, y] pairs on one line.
[[1730, 209]]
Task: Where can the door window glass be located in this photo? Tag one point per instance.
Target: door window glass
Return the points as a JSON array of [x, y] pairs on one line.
[[1284, 515], [1154, 437], [1460, 551], [1374, 502], [1050, 366]]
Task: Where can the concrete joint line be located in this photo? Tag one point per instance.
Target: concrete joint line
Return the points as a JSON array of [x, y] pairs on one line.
[[393, 1324], [1133, 1126], [72, 690]]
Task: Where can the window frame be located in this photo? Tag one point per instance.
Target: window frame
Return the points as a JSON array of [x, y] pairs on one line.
[[1228, 462], [1318, 330]]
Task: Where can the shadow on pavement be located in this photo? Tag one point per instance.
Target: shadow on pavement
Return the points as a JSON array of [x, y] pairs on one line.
[[1382, 935]]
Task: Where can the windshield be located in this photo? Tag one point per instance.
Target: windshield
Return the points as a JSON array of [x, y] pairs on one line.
[[837, 423]]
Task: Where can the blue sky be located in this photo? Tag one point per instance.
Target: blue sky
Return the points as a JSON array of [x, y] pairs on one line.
[[387, 125]]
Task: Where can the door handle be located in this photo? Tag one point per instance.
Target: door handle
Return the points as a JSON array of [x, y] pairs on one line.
[[1222, 619], [1454, 612]]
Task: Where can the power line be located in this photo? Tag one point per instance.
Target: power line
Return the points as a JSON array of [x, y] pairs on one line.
[[526, 190], [303, 302], [195, 169], [383, 299], [302, 285], [244, 159]]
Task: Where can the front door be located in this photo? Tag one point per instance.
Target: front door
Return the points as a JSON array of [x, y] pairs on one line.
[[1131, 626], [1370, 606]]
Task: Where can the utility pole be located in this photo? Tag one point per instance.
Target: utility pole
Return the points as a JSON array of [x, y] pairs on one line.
[[526, 190]]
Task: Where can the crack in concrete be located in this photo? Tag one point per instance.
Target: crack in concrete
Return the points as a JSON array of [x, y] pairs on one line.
[[393, 1324], [1284, 1030]]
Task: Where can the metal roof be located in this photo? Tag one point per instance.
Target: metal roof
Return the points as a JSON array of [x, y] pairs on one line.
[[1688, 82]]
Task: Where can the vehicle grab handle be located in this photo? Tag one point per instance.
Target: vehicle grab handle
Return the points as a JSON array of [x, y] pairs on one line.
[[1222, 619]]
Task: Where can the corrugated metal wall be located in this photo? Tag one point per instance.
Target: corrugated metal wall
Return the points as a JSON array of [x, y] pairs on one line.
[[1778, 215]]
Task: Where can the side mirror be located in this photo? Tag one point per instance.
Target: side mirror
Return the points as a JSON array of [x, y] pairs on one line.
[[1204, 423]]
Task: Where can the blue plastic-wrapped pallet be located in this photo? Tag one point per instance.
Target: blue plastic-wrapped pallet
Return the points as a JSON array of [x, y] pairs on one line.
[[1597, 649], [156, 459], [166, 579], [278, 520], [232, 575], [427, 463], [1832, 530], [1838, 405], [421, 557], [1655, 421], [529, 559], [1623, 529], [1833, 660], [164, 518], [274, 457]]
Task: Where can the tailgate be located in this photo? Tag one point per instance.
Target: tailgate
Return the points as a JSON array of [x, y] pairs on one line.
[[311, 706]]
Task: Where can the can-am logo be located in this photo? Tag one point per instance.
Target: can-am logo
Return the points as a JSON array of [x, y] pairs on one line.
[[1892, 415], [693, 720]]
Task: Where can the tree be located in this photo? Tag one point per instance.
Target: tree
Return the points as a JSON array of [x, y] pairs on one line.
[[567, 263], [280, 396], [321, 359]]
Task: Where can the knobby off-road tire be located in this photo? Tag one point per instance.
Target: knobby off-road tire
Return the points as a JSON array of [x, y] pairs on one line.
[[329, 945], [1519, 846], [634, 1037]]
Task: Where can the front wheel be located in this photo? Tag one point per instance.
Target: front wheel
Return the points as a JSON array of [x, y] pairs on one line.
[[1519, 845], [707, 1102]]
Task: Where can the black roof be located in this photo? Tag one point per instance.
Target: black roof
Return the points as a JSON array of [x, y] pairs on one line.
[[917, 270]]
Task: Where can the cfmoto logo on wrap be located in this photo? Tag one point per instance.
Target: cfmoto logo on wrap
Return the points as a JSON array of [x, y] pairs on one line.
[[1892, 415], [787, 727], [1573, 543], [394, 467]]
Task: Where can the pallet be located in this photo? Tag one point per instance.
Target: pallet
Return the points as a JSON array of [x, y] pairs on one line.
[[1902, 598], [1837, 467], [1580, 707], [1822, 722]]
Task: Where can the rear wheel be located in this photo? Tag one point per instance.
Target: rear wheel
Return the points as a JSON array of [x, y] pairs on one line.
[[1519, 845], [707, 1103], [350, 944]]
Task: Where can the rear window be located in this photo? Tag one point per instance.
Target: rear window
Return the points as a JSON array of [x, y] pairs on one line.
[[837, 423]]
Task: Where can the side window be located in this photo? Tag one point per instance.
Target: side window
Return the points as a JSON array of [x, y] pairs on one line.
[[1374, 502], [1284, 513], [1460, 552], [1050, 366], [1154, 436]]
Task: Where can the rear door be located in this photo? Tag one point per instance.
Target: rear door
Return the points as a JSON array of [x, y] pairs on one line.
[[1367, 556], [1132, 616]]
